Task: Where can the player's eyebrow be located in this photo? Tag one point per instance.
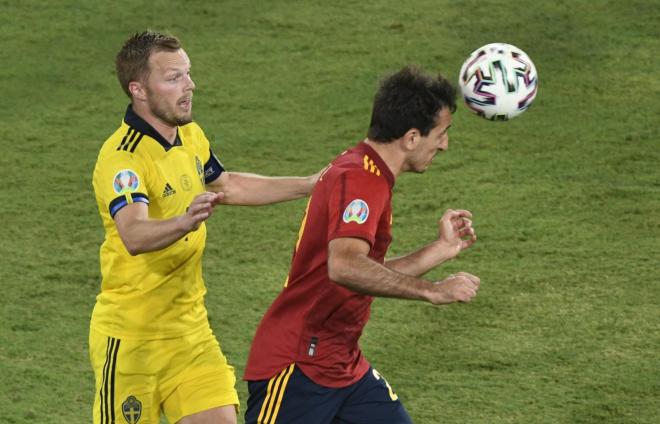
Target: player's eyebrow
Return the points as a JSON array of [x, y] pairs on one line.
[[447, 129], [177, 67]]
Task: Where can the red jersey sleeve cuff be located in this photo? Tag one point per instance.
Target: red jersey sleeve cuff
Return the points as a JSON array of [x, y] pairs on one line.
[[354, 234]]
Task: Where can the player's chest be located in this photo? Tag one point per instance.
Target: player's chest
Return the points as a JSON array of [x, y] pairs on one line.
[[176, 178]]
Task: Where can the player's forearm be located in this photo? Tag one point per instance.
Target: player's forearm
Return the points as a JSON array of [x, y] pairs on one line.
[[149, 235], [366, 276], [422, 260], [251, 189]]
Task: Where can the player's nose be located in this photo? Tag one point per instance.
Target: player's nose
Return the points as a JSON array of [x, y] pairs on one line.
[[444, 144], [191, 84]]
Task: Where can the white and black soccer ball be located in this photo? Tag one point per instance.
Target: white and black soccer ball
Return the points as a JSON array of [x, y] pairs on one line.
[[498, 81]]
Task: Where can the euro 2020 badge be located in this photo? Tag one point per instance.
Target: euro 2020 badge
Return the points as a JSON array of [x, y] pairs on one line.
[[356, 211], [126, 181], [131, 408]]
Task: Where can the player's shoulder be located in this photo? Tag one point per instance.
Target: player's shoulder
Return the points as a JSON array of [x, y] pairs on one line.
[[355, 174], [191, 128], [126, 147], [126, 140], [192, 132], [358, 165]]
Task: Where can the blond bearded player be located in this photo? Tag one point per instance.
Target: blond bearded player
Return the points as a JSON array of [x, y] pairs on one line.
[[156, 182]]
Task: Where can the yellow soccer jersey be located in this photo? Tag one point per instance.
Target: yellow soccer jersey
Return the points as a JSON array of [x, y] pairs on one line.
[[157, 294]]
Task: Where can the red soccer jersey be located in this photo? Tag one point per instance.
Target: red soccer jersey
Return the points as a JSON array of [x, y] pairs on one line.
[[314, 321]]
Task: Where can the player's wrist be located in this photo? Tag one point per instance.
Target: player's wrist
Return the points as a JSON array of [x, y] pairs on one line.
[[182, 224], [309, 183], [443, 250], [439, 293], [431, 294]]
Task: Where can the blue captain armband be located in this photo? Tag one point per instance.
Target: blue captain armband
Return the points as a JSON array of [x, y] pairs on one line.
[[212, 168], [126, 199]]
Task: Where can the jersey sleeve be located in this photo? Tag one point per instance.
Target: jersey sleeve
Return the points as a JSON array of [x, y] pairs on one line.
[[212, 165], [119, 180], [356, 203]]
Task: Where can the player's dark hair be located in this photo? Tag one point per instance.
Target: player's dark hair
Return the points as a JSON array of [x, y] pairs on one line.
[[409, 99], [132, 61]]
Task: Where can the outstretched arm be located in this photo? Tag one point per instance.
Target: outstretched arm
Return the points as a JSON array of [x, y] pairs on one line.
[[142, 234], [349, 265], [251, 189], [455, 233]]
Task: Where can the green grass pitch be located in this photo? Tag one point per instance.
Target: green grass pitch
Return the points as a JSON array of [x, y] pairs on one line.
[[566, 198]]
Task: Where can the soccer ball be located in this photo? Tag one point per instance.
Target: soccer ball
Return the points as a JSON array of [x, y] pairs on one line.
[[498, 81]]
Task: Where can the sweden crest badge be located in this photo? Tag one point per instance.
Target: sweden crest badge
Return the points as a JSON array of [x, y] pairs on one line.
[[132, 410]]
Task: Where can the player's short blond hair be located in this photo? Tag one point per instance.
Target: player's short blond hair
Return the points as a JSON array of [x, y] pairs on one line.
[[132, 62]]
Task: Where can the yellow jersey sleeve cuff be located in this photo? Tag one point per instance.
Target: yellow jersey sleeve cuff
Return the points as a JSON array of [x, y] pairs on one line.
[[126, 199]]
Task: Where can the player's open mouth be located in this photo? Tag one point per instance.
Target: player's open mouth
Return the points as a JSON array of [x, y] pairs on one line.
[[186, 103]]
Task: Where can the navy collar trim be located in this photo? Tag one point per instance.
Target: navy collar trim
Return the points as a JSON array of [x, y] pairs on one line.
[[133, 120]]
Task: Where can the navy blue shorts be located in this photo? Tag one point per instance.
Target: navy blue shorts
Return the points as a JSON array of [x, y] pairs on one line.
[[292, 398]]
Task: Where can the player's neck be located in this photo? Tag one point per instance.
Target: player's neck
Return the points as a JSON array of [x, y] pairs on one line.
[[164, 129], [390, 154]]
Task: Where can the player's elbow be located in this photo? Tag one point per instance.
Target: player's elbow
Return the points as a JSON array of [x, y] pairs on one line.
[[338, 269], [133, 246], [133, 249]]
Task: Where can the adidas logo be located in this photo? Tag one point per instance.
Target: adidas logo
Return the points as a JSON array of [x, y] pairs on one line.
[[168, 190]]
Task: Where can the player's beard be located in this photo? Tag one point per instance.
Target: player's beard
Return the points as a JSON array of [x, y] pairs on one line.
[[167, 114]]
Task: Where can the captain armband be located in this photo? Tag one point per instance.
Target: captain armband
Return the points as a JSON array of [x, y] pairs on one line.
[[212, 168]]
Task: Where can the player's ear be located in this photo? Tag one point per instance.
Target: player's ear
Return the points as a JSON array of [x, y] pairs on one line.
[[137, 90], [411, 139]]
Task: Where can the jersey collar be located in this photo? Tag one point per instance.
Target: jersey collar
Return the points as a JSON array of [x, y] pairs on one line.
[[133, 120], [378, 161]]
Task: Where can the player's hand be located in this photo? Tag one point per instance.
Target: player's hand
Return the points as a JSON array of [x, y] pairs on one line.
[[319, 175], [455, 231], [200, 209], [461, 287]]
